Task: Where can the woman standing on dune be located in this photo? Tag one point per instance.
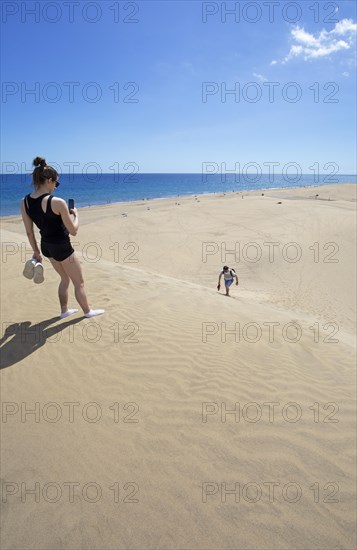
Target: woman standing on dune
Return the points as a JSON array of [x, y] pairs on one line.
[[55, 222]]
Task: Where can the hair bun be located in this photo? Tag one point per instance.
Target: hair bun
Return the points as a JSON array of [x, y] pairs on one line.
[[39, 161]]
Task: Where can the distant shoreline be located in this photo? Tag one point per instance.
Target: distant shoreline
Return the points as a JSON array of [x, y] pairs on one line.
[[251, 192]]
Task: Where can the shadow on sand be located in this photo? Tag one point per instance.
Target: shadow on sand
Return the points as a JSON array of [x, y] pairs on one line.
[[22, 339]]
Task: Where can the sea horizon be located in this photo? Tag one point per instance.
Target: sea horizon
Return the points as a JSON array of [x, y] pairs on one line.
[[109, 188]]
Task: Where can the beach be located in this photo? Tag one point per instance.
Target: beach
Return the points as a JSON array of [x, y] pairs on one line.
[[182, 418]]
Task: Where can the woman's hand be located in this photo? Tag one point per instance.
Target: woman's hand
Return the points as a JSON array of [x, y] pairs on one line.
[[73, 211], [37, 257]]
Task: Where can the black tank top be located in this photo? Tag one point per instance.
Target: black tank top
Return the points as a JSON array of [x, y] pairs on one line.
[[50, 224]]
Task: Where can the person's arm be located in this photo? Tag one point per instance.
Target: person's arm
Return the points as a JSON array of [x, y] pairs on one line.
[[70, 218], [236, 278], [219, 281], [28, 223]]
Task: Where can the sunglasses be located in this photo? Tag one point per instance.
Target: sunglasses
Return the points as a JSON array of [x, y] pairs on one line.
[[56, 183]]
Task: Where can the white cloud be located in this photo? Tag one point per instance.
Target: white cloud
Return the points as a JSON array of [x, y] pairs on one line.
[[345, 74], [274, 62], [345, 26], [301, 35], [260, 77], [323, 44]]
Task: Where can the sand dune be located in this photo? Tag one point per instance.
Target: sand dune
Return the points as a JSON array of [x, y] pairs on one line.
[[138, 403]]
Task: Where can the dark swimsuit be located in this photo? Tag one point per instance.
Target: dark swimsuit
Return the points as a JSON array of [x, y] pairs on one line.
[[55, 241]]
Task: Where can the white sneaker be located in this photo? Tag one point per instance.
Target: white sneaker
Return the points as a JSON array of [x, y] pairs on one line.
[[28, 271], [38, 273], [94, 312]]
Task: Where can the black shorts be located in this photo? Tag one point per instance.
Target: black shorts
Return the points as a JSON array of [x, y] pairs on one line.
[[57, 251]]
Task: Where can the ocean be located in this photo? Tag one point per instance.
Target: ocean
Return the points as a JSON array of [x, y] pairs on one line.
[[96, 189]]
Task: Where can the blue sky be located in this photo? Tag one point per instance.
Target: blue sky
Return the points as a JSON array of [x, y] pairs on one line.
[[174, 53]]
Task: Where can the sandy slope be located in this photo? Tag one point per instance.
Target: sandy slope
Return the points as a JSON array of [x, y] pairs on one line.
[[162, 355]]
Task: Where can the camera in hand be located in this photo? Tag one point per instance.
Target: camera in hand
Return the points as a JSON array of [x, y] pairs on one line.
[[70, 204]]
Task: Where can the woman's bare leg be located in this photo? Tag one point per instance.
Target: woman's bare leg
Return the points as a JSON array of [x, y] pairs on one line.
[[63, 286], [73, 269]]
